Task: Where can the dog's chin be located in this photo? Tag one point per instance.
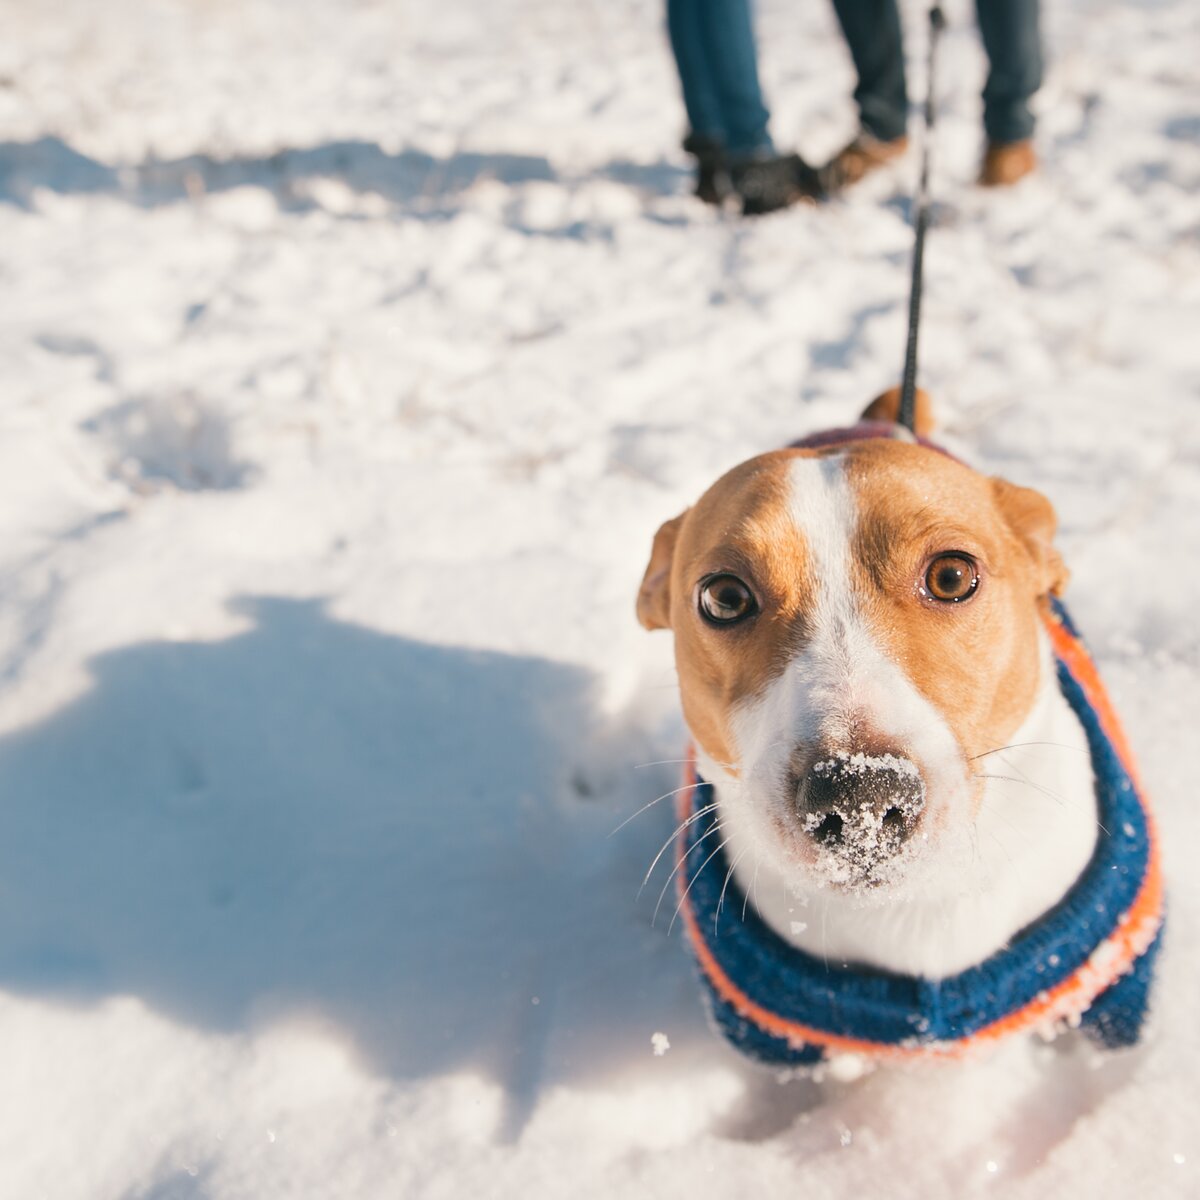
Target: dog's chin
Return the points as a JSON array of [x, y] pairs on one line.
[[934, 866], [856, 872]]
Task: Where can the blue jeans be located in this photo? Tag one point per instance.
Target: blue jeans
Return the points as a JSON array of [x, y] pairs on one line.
[[713, 44], [1010, 37]]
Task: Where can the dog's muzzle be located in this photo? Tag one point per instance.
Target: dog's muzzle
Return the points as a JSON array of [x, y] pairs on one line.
[[861, 807]]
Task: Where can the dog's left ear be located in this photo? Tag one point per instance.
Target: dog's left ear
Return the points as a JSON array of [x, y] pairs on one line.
[[1032, 518], [886, 407], [654, 596]]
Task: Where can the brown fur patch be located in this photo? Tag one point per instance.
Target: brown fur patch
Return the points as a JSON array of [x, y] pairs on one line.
[[740, 526], [976, 662]]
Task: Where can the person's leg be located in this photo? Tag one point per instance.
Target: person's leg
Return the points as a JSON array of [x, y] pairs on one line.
[[728, 38], [713, 42], [685, 27], [872, 31], [1014, 49]]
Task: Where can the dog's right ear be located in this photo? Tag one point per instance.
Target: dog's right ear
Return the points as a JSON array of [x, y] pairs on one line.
[[654, 596]]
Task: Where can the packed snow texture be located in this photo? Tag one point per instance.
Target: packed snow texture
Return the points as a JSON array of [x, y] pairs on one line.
[[352, 354]]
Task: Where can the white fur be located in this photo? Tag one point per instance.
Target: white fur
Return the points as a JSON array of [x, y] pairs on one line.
[[964, 885]]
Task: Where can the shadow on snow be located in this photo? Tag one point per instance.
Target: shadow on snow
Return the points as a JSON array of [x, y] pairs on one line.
[[314, 817], [417, 182]]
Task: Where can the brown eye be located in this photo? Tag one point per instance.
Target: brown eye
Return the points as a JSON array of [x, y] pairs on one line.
[[951, 578], [725, 599]]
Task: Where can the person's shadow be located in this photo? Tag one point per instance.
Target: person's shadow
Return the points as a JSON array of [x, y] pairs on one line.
[[418, 184], [311, 817]]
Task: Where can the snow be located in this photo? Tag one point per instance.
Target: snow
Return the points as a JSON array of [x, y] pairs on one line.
[[352, 354], [861, 764]]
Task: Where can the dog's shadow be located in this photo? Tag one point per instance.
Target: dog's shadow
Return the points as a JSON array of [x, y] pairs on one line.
[[407, 840]]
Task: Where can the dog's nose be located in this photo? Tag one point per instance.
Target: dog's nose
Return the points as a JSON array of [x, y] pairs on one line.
[[861, 806]]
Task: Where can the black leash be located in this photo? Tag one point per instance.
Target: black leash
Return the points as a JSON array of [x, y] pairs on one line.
[[908, 386]]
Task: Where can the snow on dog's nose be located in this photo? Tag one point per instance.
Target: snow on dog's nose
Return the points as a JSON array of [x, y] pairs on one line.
[[861, 807]]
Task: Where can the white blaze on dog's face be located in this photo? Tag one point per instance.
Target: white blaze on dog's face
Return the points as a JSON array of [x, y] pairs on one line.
[[853, 627]]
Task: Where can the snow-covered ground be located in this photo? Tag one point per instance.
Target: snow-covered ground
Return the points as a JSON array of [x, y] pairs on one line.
[[352, 353]]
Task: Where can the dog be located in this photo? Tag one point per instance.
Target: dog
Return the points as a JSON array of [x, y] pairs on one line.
[[900, 786]]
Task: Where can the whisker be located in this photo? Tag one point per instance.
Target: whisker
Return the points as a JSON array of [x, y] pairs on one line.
[[750, 889], [728, 877], [973, 831], [673, 792], [1031, 783], [1021, 745], [1046, 791], [1028, 783], [700, 812], [677, 762], [675, 871], [997, 810], [1012, 766], [1004, 851], [693, 880]]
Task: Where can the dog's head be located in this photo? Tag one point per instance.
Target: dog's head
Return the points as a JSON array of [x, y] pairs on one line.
[[854, 627]]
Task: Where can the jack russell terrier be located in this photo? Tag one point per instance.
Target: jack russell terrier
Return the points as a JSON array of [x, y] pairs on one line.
[[912, 824]]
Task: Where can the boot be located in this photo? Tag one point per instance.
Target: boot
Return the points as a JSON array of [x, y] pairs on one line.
[[712, 168], [1006, 162], [860, 157], [775, 181]]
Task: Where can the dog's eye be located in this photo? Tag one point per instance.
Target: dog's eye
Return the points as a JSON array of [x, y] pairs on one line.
[[725, 599], [951, 578]]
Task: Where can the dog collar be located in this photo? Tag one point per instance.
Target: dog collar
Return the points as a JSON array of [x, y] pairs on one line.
[[1088, 961], [865, 430]]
